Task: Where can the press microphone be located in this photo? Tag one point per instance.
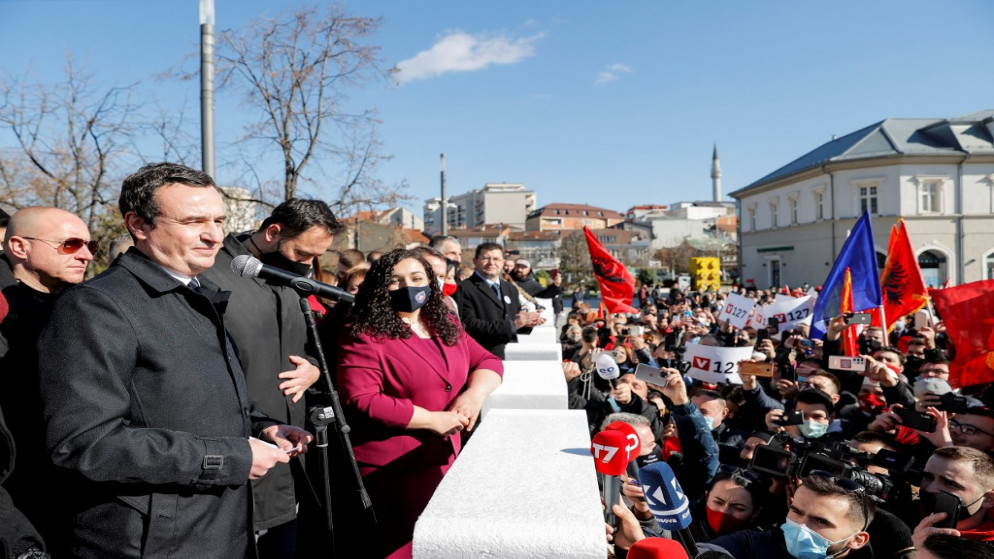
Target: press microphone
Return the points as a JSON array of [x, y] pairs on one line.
[[607, 368], [633, 448], [667, 502], [249, 266], [657, 548], [609, 448]]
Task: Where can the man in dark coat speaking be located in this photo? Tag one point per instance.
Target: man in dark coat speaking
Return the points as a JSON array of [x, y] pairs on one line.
[[268, 328], [144, 397]]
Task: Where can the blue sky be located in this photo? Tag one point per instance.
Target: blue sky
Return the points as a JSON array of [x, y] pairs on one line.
[[607, 103]]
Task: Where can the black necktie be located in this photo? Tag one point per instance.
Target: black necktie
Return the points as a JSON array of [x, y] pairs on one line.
[[496, 289], [194, 285]]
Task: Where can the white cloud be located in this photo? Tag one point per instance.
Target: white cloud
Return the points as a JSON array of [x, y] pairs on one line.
[[612, 73], [462, 52]]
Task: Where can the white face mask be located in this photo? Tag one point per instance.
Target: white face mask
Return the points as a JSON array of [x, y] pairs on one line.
[[709, 420], [813, 429]]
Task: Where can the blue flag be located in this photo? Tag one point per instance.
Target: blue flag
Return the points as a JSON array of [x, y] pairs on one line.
[[860, 256]]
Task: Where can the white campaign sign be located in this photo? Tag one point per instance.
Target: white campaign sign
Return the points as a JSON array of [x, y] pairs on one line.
[[758, 318], [719, 365], [791, 312], [736, 310]]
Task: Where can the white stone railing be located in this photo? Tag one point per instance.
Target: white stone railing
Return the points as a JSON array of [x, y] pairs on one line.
[[524, 486]]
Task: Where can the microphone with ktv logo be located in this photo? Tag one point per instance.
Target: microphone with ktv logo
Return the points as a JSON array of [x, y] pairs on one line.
[[667, 502], [613, 449]]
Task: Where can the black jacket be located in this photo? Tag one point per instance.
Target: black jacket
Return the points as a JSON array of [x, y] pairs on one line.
[[17, 535], [487, 319], [146, 402], [20, 399], [267, 326]]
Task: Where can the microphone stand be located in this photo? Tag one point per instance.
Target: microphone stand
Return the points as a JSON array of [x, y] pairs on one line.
[[321, 417]]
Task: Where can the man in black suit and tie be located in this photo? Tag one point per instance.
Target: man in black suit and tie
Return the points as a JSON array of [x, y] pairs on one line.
[[489, 306]]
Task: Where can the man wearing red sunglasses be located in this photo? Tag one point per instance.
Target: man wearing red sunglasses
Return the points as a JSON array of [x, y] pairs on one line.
[[45, 250]]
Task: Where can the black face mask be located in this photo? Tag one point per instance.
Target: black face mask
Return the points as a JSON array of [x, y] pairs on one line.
[[277, 259], [655, 456], [927, 502], [409, 299], [867, 347], [913, 366]]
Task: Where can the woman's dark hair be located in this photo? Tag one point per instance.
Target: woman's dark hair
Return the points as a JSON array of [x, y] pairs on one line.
[[372, 314], [755, 484]]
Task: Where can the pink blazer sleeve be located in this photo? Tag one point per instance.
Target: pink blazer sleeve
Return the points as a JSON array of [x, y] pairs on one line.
[[360, 375], [480, 358]]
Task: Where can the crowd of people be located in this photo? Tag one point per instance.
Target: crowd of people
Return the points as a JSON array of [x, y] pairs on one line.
[[164, 407], [811, 462]]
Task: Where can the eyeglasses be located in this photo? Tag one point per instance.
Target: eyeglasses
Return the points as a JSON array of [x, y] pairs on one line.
[[967, 429], [69, 246], [850, 486]]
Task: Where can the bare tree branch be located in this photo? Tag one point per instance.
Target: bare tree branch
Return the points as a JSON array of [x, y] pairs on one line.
[[297, 72], [66, 142]]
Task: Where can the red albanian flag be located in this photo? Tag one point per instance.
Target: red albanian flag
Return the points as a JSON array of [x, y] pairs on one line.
[[904, 290], [617, 284], [968, 314]]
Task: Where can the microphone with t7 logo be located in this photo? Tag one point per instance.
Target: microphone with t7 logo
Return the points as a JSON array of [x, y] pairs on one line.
[[633, 448], [249, 266], [610, 460], [667, 502]]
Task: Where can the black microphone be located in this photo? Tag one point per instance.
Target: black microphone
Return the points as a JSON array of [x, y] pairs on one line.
[[249, 266]]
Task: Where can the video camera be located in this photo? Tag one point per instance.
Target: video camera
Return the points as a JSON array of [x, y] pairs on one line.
[[785, 457]]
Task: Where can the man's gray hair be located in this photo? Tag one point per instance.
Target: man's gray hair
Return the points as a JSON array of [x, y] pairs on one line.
[[632, 419]]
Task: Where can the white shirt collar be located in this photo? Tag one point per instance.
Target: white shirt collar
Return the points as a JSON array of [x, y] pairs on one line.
[[490, 283], [182, 278]]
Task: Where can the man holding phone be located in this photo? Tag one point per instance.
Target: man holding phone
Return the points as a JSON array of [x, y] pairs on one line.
[[967, 474]]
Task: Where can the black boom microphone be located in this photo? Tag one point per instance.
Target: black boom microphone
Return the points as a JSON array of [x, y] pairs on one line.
[[249, 266]]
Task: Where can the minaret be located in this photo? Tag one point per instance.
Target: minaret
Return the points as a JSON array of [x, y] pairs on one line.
[[716, 175]]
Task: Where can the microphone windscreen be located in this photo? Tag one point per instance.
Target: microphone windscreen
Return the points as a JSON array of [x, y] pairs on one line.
[[634, 443], [607, 367], [245, 265], [664, 496], [608, 448], [657, 548]]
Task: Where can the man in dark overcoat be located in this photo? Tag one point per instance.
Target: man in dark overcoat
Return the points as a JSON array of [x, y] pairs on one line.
[[144, 398], [489, 307], [270, 333]]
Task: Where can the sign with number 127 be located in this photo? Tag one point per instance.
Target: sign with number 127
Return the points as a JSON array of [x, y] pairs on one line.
[[719, 365]]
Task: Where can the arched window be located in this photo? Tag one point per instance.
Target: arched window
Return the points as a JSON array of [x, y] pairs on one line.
[[933, 265], [989, 265]]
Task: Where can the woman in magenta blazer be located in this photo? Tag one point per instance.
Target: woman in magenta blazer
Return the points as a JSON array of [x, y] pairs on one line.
[[411, 380]]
